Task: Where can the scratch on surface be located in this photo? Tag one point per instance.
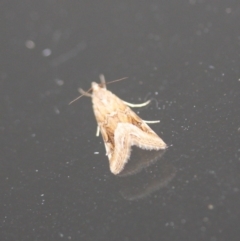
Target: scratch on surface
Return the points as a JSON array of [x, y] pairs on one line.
[[68, 55]]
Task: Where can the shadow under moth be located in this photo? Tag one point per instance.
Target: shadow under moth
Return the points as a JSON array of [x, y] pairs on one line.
[[120, 127]]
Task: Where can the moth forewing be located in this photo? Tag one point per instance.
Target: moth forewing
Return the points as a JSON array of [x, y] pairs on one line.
[[127, 135], [120, 127]]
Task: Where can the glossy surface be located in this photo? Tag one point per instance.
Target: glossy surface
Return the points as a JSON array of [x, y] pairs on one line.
[[55, 177]]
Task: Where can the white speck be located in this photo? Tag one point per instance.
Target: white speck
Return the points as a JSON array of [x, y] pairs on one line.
[[61, 235], [156, 93], [211, 67], [33, 135], [56, 110], [183, 221], [96, 152], [36, 170], [210, 207], [46, 52], [172, 224], [30, 44], [228, 10], [212, 172], [42, 195], [59, 82]]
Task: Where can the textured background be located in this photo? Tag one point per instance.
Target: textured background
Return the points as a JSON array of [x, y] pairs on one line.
[[55, 182]]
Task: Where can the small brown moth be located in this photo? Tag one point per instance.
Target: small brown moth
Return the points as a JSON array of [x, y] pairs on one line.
[[120, 127]]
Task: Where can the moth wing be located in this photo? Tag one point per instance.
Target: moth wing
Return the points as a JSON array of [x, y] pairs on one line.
[[138, 122], [127, 135], [108, 145]]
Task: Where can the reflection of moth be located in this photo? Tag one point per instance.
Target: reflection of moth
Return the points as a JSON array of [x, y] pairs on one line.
[[120, 127], [143, 184]]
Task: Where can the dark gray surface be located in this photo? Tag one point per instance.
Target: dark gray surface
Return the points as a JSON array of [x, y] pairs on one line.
[[182, 54]]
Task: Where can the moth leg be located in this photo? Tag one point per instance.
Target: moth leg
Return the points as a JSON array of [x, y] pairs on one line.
[[83, 92], [137, 105], [103, 81], [127, 135], [151, 122], [108, 149], [98, 131], [141, 105], [108, 145]]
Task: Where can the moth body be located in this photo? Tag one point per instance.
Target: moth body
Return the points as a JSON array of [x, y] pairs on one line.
[[120, 127]]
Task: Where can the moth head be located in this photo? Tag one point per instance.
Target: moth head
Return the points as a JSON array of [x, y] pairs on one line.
[[96, 86]]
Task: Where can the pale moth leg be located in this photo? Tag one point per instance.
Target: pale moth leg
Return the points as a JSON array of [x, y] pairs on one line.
[[98, 131], [103, 82], [151, 122], [137, 105], [141, 105]]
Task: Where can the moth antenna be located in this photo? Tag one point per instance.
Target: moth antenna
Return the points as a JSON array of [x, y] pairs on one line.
[[75, 99], [83, 93], [103, 83], [116, 80]]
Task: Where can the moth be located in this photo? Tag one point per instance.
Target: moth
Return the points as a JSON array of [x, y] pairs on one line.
[[120, 127]]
